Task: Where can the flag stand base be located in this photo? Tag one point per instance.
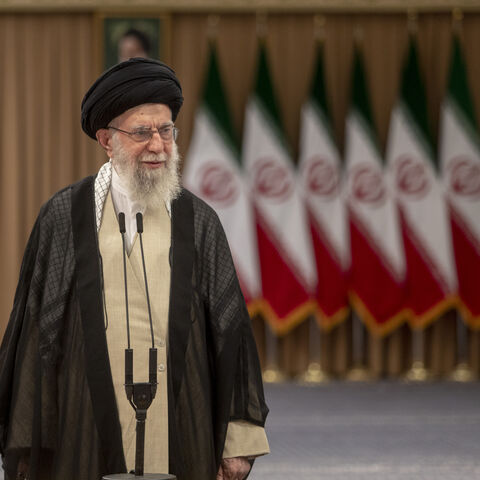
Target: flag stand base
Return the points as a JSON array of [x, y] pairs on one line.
[[272, 374], [314, 375], [462, 373], [418, 373], [359, 374]]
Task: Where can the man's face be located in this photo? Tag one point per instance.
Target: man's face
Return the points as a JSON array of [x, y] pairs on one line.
[[147, 116], [148, 168]]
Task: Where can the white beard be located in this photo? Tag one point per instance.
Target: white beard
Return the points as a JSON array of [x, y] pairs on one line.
[[148, 187]]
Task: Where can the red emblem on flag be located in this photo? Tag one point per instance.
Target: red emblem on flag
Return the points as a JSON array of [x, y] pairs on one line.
[[272, 180], [464, 176], [366, 184], [411, 177], [218, 184], [321, 177]]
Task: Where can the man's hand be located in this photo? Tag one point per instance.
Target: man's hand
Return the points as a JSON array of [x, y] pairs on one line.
[[236, 468]]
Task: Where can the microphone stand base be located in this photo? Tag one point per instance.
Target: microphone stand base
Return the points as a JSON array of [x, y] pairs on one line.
[[146, 476]]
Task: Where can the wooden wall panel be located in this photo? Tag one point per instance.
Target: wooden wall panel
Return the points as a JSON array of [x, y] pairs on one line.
[[48, 61]]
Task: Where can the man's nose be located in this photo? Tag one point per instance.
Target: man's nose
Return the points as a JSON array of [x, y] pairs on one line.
[[156, 144]]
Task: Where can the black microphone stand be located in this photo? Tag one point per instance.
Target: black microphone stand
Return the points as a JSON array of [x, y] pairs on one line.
[[139, 394]]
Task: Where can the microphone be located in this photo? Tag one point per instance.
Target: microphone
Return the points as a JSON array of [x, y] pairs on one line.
[[152, 370], [140, 231], [139, 223], [121, 223]]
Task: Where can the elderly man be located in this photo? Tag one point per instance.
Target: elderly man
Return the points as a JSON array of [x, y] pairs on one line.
[[63, 409]]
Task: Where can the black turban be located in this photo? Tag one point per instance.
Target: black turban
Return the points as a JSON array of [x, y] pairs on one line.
[[127, 85]]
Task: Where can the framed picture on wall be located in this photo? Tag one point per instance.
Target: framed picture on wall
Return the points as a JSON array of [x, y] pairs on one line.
[[122, 35]]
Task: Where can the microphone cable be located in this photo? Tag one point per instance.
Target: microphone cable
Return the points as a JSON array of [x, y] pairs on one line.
[[121, 223], [140, 231]]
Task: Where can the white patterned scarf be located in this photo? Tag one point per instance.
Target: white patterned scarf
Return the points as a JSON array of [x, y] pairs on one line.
[[102, 185]]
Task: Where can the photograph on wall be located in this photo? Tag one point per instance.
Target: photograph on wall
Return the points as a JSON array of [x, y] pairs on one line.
[[125, 35]]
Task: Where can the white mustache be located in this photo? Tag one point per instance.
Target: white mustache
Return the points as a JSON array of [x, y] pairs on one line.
[[152, 158]]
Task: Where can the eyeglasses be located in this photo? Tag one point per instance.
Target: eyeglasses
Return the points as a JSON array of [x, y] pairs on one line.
[[166, 132]]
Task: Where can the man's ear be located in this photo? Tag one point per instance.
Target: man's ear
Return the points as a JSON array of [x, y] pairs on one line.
[[105, 140]]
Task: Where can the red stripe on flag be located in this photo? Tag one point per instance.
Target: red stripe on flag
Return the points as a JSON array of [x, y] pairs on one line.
[[467, 258], [427, 292], [381, 296], [287, 298], [332, 287]]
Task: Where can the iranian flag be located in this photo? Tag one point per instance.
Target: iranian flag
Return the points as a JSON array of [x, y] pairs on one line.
[[377, 272], [213, 172], [321, 184], [284, 244], [431, 274], [460, 165]]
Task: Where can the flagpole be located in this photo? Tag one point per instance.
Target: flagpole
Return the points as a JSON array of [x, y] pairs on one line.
[[418, 371], [272, 372], [358, 373], [261, 25], [462, 371], [212, 27], [314, 373]]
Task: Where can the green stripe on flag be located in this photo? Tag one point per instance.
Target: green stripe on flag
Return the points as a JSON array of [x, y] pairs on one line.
[[265, 96], [470, 130], [360, 99], [214, 101], [414, 100], [458, 89], [318, 93]]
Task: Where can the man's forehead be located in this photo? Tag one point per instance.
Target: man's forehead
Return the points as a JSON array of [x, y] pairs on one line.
[[157, 112]]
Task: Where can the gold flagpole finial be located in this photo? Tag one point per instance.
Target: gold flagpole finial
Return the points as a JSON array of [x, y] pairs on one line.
[[358, 36], [212, 26], [412, 21], [319, 24], [457, 20], [262, 25]]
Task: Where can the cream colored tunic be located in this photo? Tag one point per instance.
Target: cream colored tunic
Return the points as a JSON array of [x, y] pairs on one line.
[[243, 439], [158, 273]]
